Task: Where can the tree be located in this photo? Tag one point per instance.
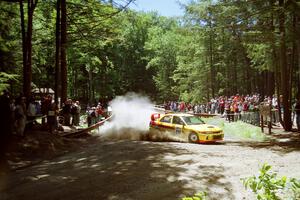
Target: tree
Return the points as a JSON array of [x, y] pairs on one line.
[[27, 45], [63, 49], [163, 46]]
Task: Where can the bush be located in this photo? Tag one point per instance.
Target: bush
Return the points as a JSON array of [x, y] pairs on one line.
[[238, 129], [267, 186]]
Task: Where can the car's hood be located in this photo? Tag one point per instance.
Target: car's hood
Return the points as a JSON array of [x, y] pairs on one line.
[[204, 128]]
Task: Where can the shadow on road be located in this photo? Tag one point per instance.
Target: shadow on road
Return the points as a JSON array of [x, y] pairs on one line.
[[284, 143], [119, 170]]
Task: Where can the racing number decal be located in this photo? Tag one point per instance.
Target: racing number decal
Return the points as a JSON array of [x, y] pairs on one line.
[[177, 130]]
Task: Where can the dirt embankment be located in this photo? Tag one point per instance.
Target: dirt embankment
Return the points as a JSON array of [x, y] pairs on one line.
[[37, 146]]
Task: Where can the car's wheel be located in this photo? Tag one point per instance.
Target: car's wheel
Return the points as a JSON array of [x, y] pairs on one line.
[[193, 138]]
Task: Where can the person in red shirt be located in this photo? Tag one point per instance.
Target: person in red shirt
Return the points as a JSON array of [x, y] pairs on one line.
[[222, 106], [182, 106]]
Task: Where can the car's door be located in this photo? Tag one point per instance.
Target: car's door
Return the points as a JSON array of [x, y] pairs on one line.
[[178, 125]]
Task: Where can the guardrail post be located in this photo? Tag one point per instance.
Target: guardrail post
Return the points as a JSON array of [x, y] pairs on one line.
[[262, 123], [270, 122]]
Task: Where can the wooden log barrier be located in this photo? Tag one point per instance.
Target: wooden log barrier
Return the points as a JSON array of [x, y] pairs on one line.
[[88, 129]]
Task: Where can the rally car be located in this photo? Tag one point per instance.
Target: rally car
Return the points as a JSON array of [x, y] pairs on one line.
[[186, 126]]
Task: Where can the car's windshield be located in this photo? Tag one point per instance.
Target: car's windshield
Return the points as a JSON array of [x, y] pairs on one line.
[[192, 120]]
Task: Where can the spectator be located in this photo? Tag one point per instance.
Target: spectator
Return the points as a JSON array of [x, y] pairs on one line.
[[231, 112], [52, 116], [20, 116], [182, 107], [109, 111], [12, 115], [38, 107], [99, 112], [91, 116], [5, 124], [44, 107], [31, 113], [222, 106], [75, 110], [227, 110], [66, 110]]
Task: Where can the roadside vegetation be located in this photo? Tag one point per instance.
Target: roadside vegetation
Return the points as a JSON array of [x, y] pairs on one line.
[[266, 186], [238, 129]]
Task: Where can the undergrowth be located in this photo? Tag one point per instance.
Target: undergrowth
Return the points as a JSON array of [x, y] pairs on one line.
[[238, 129], [266, 186]]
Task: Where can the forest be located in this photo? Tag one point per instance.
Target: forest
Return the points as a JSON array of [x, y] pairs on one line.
[[90, 49]]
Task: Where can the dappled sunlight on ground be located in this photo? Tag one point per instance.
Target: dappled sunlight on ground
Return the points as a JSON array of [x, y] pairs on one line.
[[136, 165], [127, 168]]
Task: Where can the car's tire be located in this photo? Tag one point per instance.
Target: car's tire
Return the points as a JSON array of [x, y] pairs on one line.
[[193, 138]]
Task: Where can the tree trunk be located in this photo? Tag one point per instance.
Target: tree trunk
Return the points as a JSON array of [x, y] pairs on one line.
[[234, 64], [90, 88], [212, 70], [76, 88], [228, 79], [296, 55], [248, 77], [284, 71], [57, 53], [24, 45], [271, 83], [27, 46], [28, 69], [64, 72], [277, 79]]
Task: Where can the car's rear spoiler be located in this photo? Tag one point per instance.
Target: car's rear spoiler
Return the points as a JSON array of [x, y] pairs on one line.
[[155, 116]]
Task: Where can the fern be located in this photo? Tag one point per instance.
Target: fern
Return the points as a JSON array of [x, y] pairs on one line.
[[5, 78]]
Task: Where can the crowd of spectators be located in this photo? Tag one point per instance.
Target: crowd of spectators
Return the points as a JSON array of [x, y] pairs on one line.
[[224, 104], [98, 112], [18, 114], [22, 113], [70, 113], [235, 107]]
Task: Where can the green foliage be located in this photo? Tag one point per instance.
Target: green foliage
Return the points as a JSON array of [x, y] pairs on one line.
[[295, 188], [261, 56], [238, 129], [267, 186], [10, 49], [217, 48], [198, 196], [163, 45], [244, 130], [6, 79]]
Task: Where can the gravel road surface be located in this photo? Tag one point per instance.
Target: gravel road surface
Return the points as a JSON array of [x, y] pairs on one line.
[[145, 170]]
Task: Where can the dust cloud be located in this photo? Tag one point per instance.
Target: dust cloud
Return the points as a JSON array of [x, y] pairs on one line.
[[131, 117], [130, 121]]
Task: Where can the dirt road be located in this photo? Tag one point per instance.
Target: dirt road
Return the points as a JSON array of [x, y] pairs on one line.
[[144, 170]]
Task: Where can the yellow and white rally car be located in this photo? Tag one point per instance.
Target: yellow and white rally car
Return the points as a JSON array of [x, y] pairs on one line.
[[186, 126]]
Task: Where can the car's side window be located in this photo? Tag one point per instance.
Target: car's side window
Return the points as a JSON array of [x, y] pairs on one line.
[[166, 119], [177, 120]]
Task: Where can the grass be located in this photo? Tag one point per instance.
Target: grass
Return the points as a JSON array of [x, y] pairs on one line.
[[238, 129]]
